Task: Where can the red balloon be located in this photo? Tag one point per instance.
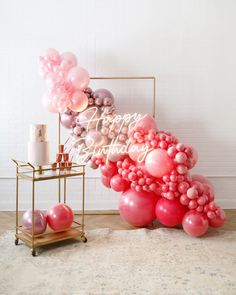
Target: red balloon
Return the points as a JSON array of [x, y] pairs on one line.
[[60, 216], [219, 220], [118, 184], [194, 223], [109, 169], [138, 208], [106, 181], [170, 212]]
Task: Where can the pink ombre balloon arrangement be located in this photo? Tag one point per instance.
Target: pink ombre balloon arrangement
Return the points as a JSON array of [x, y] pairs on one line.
[[152, 172]]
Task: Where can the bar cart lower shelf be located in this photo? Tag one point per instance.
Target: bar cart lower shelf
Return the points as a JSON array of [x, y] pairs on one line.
[[27, 171]]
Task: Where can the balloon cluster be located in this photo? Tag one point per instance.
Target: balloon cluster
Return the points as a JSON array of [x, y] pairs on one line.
[[58, 217], [151, 171]]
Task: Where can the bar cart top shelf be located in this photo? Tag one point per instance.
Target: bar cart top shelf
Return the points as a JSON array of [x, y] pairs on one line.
[[30, 172]]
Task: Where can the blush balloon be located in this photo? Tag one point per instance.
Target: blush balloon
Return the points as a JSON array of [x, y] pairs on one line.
[[158, 163], [79, 78], [146, 123], [68, 120], [136, 152], [40, 222], [106, 181], [118, 184], [138, 208], [68, 60], [79, 101], [103, 93], [60, 217], [170, 212], [195, 224]]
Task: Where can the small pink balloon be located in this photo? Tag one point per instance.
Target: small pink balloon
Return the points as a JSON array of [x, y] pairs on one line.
[[67, 120], [193, 159], [170, 212], [78, 77], [53, 54], [106, 181], [158, 163], [138, 208], [79, 101], [146, 123], [49, 104], [60, 216], [40, 222], [103, 93], [195, 224], [68, 60], [118, 184]]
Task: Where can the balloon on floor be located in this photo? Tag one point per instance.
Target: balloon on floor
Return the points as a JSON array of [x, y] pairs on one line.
[[149, 167]]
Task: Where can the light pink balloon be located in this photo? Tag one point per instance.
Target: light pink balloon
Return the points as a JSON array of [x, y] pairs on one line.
[[68, 60], [40, 222], [94, 139], [49, 104], [138, 208], [158, 163], [135, 151], [53, 54], [67, 120], [79, 101], [79, 78], [195, 224], [147, 123]]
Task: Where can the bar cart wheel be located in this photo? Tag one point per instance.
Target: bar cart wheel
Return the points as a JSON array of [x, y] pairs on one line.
[[84, 239], [34, 253], [16, 242]]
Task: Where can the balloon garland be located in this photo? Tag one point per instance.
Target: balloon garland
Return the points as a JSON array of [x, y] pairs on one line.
[[149, 167]]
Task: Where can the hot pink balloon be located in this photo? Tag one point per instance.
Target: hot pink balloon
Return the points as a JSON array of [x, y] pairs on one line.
[[68, 60], [109, 169], [158, 163], [79, 78], [146, 123], [40, 222], [106, 181], [67, 120], [60, 217], [170, 212], [195, 224], [79, 101], [118, 184], [138, 208]]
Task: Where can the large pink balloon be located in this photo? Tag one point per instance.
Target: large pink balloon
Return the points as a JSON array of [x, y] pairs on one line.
[[60, 217], [195, 224], [136, 152], [79, 78], [136, 208], [40, 222], [68, 120], [103, 93], [158, 163], [68, 60], [109, 169], [146, 123], [79, 101], [170, 212], [118, 184]]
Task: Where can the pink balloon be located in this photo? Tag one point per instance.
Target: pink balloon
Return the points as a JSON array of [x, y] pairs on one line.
[[193, 159], [158, 163], [52, 54], [118, 184], [67, 120], [200, 178], [79, 101], [170, 212], [79, 78], [195, 224], [49, 104], [103, 93], [136, 152], [217, 222], [106, 181], [60, 217], [109, 169], [68, 60], [138, 208], [40, 222], [146, 123]]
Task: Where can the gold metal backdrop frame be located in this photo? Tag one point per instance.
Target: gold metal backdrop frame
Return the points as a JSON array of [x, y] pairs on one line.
[[150, 78]]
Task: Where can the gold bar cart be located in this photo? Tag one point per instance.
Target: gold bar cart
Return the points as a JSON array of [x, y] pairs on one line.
[[26, 171]]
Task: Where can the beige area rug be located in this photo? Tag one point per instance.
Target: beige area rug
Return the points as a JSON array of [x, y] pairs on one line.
[[161, 261]]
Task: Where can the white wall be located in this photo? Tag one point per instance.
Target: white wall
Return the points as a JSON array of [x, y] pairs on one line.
[[188, 45]]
